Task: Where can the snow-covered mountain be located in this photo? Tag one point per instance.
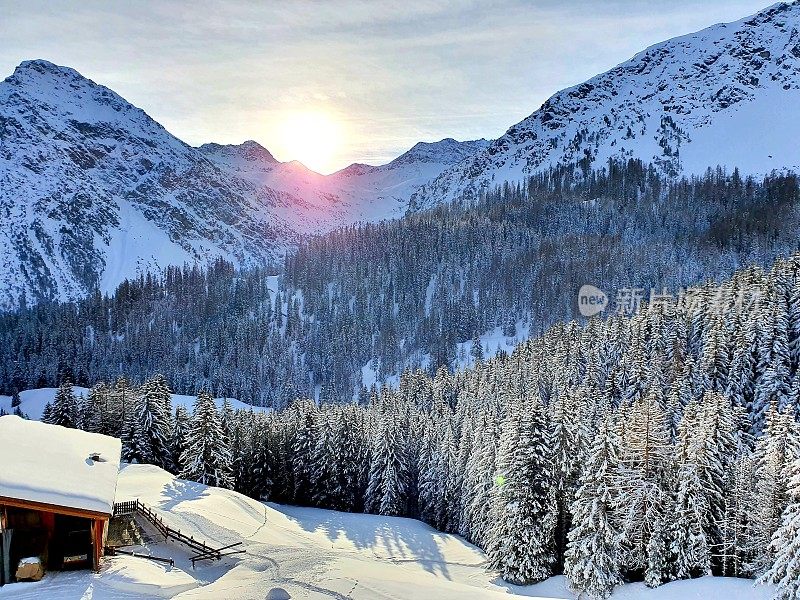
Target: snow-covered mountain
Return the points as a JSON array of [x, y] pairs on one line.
[[356, 193], [92, 190], [726, 95]]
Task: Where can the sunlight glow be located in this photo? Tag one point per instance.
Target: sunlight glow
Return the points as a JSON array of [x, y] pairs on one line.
[[312, 138]]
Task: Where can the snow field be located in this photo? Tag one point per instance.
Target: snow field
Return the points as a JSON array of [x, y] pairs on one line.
[[312, 553]]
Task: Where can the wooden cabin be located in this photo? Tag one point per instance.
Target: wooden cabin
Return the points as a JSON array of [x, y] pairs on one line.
[[57, 488]]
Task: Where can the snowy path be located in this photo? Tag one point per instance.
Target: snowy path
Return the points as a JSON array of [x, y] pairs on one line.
[[310, 553]]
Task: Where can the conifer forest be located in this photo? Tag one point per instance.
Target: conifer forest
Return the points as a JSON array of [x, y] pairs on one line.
[[652, 446]]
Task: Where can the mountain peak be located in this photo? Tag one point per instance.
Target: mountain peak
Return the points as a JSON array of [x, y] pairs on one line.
[[248, 151], [41, 65], [38, 68], [445, 151]]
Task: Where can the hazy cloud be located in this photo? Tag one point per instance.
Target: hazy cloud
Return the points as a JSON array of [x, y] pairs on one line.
[[391, 73]]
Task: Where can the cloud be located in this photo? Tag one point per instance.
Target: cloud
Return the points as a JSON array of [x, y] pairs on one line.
[[392, 73]]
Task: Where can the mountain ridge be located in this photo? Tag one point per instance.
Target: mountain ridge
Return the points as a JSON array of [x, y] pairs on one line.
[[93, 191], [683, 104]]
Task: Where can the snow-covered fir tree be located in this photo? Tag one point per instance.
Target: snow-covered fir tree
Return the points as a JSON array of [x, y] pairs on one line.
[[785, 544], [521, 543], [207, 457], [592, 559], [64, 410], [387, 485]]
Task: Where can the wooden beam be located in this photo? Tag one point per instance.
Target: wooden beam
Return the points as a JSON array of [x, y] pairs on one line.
[[53, 508], [98, 528]]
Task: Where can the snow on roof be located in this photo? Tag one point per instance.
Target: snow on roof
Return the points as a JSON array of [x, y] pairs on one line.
[[55, 465]]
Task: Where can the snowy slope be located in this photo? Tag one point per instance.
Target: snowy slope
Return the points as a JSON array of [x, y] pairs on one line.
[[312, 553], [92, 190], [32, 402], [726, 95], [356, 193]]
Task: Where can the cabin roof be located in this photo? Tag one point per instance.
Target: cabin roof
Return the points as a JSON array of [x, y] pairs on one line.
[[57, 466]]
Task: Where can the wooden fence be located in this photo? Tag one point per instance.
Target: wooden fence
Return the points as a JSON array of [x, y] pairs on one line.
[[202, 551]]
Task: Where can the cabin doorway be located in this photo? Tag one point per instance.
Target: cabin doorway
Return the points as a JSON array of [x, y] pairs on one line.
[[60, 541], [71, 543]]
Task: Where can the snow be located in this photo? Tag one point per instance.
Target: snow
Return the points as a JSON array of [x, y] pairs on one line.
[[32, 402], [369, 375], [312, 553], [737, 136], [145, 577], [704, 588], [725, 95], [60, 470], [492, 341], [121, 577], [138, 246]]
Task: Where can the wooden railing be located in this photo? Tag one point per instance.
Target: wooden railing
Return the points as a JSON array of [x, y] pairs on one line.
[[202, 551]]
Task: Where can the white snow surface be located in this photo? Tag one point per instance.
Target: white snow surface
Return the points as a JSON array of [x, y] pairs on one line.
[[121, 578], [727, 95], [313, 553], [32, 402], [53, 464]]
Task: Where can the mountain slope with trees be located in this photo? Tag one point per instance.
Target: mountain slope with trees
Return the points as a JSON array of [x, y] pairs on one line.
[[704, 98], [361, 304], [93, 190]]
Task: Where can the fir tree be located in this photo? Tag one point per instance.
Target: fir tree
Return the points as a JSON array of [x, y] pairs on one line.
[[642, 484], [387, 488], [690, 546], [207, 458], [303, 447], [785, 571], [64, 410], [592, 558], [524, 514], [775, 452], [324, 477]]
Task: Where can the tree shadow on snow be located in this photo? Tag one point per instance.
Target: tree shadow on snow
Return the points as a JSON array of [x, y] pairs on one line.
[[392, 539], [179, 490]]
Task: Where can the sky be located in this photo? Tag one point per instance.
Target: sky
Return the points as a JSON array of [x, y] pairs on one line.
[[332, 82]]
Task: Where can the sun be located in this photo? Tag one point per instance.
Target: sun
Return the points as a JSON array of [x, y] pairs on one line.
[[312, 138]]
